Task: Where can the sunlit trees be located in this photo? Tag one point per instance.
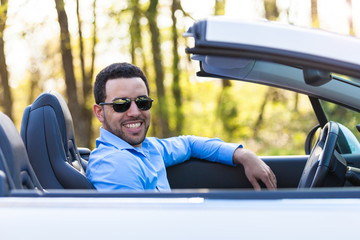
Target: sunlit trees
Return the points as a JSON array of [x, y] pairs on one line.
[[351, 22], [67, 59], [314, 14], [80, 110], [148, 34], [6, 99], [227, 108], [176, 71], [271, 13], [87, 75], [151, 15]]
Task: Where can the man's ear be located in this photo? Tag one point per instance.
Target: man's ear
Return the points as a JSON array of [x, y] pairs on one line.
[[98, 111]]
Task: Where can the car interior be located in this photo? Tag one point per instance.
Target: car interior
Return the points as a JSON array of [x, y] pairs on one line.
[[193, 178], [330, 157], [45, 159], [48, 134], [15, 168]]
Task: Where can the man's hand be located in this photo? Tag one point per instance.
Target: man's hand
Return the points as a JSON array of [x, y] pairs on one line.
[[255, 168]]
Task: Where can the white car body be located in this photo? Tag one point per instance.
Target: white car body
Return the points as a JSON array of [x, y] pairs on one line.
[[179, 218], [215, 214]]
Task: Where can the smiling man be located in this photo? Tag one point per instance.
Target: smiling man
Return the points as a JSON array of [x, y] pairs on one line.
[[124, 158]]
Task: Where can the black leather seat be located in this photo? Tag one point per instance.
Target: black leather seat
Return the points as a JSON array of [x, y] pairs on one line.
[[48, 133], [15, 168]]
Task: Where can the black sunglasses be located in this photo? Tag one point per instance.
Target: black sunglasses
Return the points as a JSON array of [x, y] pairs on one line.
[[123, 104]]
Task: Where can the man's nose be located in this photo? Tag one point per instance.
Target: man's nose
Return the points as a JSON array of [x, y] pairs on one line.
[[133, 110]]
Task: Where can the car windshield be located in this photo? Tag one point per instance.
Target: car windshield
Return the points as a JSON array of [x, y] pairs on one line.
[[349, 120], [348, 79]]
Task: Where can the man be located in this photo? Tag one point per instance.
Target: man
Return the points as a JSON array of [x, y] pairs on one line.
[[124, 158]]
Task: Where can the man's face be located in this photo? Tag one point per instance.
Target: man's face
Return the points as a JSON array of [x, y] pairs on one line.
[[131, 125]]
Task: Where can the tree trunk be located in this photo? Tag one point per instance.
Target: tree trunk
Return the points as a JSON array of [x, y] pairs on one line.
[[67, 61], [135, 31], [271, 13], [86, 110], [271, 10], [261, 112], [88, 113], [226, 107], [34, 82], [220, 7], [314, 14], [159, 74], [94, 43], [6, 100], [81, 46], [296, 102], [176, 89], [220, 10], [351, 22], [136, 39]]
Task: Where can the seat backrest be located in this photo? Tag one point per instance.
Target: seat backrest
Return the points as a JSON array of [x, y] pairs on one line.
[[14, 162], [48, 133]]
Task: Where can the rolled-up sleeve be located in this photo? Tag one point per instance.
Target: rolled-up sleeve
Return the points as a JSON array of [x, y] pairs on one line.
[[179, 149]]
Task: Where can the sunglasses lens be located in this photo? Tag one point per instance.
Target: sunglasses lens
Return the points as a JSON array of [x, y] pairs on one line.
[[121, 105], [144, 103]]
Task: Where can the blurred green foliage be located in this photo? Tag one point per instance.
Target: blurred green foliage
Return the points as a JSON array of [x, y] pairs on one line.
[[269, 121], [343, 115], [283, 129]]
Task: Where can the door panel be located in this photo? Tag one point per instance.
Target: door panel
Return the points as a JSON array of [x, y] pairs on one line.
[[197, 173]]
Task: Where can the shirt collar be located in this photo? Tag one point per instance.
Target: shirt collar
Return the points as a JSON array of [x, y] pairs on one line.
[[108, 138]]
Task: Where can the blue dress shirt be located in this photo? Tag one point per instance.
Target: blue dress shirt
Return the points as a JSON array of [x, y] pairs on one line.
[[115, 164]]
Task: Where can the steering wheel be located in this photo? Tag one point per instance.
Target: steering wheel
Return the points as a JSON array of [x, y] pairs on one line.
[[321, 160]]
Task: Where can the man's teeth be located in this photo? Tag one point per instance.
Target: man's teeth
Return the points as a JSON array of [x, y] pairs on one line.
[[133, 125]]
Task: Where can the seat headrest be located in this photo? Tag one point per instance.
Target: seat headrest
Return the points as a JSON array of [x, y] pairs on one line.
[[62, 112], [16, 163], [48, 133]]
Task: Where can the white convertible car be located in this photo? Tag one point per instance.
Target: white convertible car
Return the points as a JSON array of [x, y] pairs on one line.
[[45, 194]]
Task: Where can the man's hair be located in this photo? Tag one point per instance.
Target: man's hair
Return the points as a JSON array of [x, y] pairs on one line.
[[113, 71]]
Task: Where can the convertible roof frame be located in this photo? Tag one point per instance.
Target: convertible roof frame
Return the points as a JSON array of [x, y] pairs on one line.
[[215, 61], [293, 59], [264, 40]]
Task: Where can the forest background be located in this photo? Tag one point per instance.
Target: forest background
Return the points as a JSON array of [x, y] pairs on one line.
[[62, 44]]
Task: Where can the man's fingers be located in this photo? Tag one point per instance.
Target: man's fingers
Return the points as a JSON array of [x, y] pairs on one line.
[[255, 184], [273, 179], [255, 169], [269, 184], [270, 180]]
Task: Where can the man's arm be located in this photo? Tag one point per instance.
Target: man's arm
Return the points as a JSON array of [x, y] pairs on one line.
[[179, 149], [255, 168]]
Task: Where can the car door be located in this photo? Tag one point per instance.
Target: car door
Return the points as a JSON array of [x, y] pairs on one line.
[[270, 54]]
